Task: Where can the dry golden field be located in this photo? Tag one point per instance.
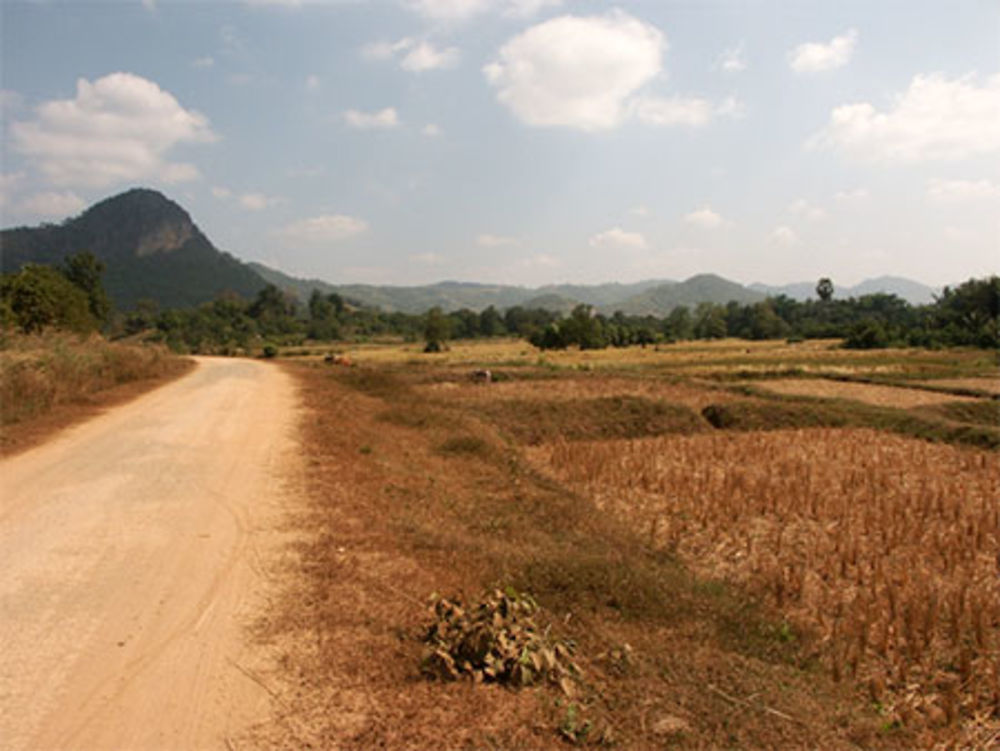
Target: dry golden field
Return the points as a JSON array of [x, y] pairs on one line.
[[887, 548], [868, 393], [986, 385]]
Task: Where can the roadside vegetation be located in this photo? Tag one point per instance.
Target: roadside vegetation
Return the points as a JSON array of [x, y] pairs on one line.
[[770, 585], [45, 373], [52, 354]]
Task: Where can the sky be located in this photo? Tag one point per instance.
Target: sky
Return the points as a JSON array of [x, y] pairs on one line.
[[523, 141]]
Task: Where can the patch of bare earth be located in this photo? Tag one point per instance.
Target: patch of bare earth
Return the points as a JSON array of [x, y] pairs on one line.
[[407, 500], [882, 396]]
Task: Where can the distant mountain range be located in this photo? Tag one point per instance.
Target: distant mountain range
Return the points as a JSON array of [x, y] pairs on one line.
[[153, 250], [913, 292]]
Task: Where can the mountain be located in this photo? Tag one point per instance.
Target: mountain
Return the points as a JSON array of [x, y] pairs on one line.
[[913, 292], [149, 245], [601, 295], [661, 299]]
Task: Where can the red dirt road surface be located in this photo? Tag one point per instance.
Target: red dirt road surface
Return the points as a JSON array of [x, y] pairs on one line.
[[134, 552]]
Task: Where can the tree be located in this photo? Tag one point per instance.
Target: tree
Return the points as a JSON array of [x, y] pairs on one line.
[[710, 321], [85, 270], [678, 324], [824, 289], [490, 323], [323, 317], [437, 328], [39, 296]]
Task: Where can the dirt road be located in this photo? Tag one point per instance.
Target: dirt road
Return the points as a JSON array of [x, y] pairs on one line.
[[134, 553]]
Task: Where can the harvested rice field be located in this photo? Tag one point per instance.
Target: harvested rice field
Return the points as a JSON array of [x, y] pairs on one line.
[[886, 549], [867, 393]]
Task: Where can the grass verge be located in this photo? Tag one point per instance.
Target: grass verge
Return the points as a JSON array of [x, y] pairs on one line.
[[444, 502], [47, 382]]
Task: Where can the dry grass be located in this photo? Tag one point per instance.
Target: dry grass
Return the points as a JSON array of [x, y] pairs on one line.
[[985, 385], [886, 547], [882, 396], [39, 373], [578, 387], [410, 497]]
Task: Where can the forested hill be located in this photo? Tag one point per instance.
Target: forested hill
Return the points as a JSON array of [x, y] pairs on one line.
[[149, 245]]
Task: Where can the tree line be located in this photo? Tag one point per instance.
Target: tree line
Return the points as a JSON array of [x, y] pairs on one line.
[[72, 297]]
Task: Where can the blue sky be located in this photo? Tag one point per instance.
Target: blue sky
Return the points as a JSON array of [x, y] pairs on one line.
[[524, 141]]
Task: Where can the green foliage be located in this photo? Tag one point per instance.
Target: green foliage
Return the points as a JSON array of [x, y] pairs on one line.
[[970, 313], [84, 270], [38, 297], [437, 329], [867, 334]]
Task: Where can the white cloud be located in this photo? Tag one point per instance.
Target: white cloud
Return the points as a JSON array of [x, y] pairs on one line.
[[326, 228], [733, 60], [487, 240], [424, 56], [704, 218], [257, 201], [784, 236], [528, 8], [935, 118], [814, 57], [414, 56], [801, 207], [385, 50], [431, 130], [8, 182], [577, 72], [616, 237], [640, 210], [383, 119], [958, 191], [691, 111], [282, 3], [448, 10], [462, 10], [118, 128], [52, 204], [857, 194], [428, 259], [203, 62], [220, 192], [731, 107], [313, 82]]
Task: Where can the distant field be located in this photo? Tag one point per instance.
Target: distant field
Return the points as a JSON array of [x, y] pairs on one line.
[[883, 396], [988, 385], [727, 357]]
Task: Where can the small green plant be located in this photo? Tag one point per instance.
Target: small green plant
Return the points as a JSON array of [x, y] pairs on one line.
[[269, 350], [366, 449], [574, 728]]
